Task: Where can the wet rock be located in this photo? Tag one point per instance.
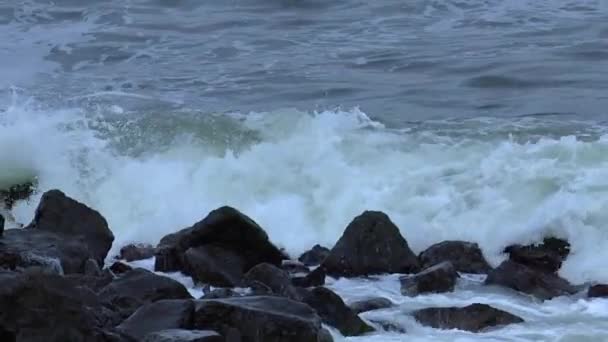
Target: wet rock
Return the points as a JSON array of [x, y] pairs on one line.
[[466, 257], [1, 225], [436, 279], [315, 256], [218, 250], [120, 267], [160, 315], [547, 256], [474, 318], [180, 335], [91, 268], [139, 287], [220, 293], [259, 319], [370, 304], [529, 280], [275, 278], [334, 312], [140, 251], [93, 282], [598, 291], [293, 266], [371, 244], [314, 278], [390, 326]]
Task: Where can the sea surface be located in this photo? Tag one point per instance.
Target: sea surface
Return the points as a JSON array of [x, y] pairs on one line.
[[480, 120]]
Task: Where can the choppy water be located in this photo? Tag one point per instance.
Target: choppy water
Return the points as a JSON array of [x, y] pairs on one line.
[[470, 119]]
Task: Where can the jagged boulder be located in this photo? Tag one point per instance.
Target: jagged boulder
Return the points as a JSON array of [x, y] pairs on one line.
[[436, 279], [466, 257], [546, 257]]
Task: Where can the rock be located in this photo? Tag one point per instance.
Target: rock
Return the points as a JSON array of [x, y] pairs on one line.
[[315, 256], [371, 244], [474, 318], [222, 248], [93, 282], [466, 257], [546, 257], [528, 280], [180, 335], [293, 266], [44, 307], [17, 192], [436, 279], [140, 251], [390, 326], [314, 278], [139, 287], [220, 293], [275, 278], [160, 315], [334, 312], [370, 304], [91, 268], [119, 267], [59, 214], [1, 225], [597, 291], [259, 319]]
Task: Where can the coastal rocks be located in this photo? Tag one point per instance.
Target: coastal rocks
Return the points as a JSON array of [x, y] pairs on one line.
[[474, 318], [334, 312], [276, 279], [259, 319], [598, 291], [1, 225], [138, 251], [180, 335], [314, 278], [218, 250], [371, 244], [546, 257], [436, 279], [120, 267], [466, 257], [370, 305], [315, 256], [138, 287], [293, 266], [528, 280], [161, 315]]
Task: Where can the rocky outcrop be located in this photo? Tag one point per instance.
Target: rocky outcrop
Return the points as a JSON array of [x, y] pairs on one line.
[[436, 279], [136, 251], [546, 257], [218, 250], [180, 335], [334, 312], [160, 315], [139, 287], [371, 244], [370, 304], [315, 256], [598, 291], [466, 257], [276, 279], [259, 319], [529, 280], [474, 318]]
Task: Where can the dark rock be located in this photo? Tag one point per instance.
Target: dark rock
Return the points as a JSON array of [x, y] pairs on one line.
[[435, 279], [223, 247], [139, 287], [260, 319], [547, 256], [315, 256], [62, 215], [260, 289], [465, 256], [370, 305], [474, 318], [1, 225], [180, 335], [293, 266], [91, 268], [314, 278], [275, 278], [119, 267], [528, 280], [334, 312], [371, 244], [220, 293], [160, 315], [43, 307], [94, 283], [17, 192], [597, 291], [390, 326], [138, 251]]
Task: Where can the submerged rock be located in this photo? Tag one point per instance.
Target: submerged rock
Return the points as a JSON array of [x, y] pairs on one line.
[[466, 257], [160, 315], [528, 280], [335, 312], [180, 335], [315, 256], [371, 244], [218, 250], [259, 319], [474, 318], [547, 256], [139, 251], [436, 279], [371, 304], [598, 291]]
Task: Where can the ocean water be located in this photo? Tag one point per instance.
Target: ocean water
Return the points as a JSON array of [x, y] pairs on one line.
[[480, 120]]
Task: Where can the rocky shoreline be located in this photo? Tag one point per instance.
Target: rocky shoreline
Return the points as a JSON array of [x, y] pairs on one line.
[[55, 284]]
